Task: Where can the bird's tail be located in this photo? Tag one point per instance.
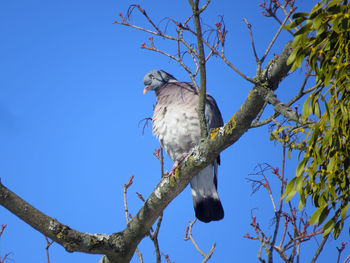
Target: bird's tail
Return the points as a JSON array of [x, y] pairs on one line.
[[206, 201]]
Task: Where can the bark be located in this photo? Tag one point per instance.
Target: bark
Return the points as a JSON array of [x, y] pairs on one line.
[[120, 247]]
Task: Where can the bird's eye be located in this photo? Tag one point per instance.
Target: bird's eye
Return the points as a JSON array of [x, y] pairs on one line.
[[153, 77]]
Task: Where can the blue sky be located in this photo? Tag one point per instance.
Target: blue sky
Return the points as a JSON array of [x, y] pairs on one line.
[[70, 105]]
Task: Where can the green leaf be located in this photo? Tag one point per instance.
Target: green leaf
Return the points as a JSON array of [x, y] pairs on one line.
[[289, 192], [302, 201], [315, 216], [299, 184], [337, 229], [301, 167], [305, 29], [323, 215], [299, 59], [317, 21], [317, 110], [292, 56], [315, 9], [327, 228], [300, 14], [344, 211], [306, 108], [295, 23]]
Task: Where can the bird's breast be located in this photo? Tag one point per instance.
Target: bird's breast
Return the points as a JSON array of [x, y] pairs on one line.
[[177, 129]]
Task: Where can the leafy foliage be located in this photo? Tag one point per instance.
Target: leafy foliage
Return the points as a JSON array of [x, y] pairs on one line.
[[323, 38]]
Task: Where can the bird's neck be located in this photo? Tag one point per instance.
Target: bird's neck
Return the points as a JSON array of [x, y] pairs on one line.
[[160, 89]]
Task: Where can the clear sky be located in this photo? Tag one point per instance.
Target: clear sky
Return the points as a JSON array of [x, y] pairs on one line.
[[70, 105]]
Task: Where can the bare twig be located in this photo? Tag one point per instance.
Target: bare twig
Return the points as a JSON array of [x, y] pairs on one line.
[[298, 224], [154, 234], [346, 259], [251, 39], [319, 249], [276, 35], [340, 250], [6, 257], [2, 229], [279, 212], [204, 6], [126, 211], [48, 244], [300, 94], [126, 186], [189, 236], [202, 69], [274, 5], [166, 258]]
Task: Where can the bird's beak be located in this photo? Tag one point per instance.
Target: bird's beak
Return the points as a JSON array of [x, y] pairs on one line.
[[146, 89]]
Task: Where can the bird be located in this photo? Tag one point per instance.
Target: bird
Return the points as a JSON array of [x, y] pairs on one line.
[[176, 125]]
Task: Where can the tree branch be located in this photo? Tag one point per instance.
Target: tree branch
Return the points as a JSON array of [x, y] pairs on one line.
[[120, 247], [201, 60]]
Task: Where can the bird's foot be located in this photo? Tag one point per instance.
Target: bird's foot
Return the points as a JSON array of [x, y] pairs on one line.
[[176, 165], [172, 172]]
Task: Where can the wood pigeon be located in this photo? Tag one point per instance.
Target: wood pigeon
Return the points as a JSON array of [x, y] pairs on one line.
[[175, 123]]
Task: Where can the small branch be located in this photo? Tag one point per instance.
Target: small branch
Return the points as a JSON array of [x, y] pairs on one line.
[[276, 35], [279, 212], [346, 259], [126, 186], [126, 211], [166, 258], [2, 229], [202, 68], [280, 107], [301, 93], [154, 236], [4, 258], [204, 7], [259, 253], [189, 236], [208, 256], [260, 114], [271, 11], [319, 249], [179, 60], [340, 250], [222, 55], [252, 39], [48, 244]]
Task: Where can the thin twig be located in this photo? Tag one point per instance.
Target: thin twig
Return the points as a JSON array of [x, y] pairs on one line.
[[204, 7], [208, 256], [126, 211], [319, 249], [166, 258], [251, 39], [48, 244], [340, 250], [126, 186], [154, 236], [346, 259], [276, 35], [189, 236], [301, 93], [278, 213]]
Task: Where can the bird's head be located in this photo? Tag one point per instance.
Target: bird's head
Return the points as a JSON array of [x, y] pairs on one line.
[[156, 79]]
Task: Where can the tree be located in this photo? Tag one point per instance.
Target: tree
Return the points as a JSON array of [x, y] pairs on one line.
[[265, 83]]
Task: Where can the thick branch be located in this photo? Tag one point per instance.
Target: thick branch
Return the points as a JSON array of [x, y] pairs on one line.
[[70, 239], [120, 247]]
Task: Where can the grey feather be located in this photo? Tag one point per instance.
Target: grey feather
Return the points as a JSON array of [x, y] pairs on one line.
[[175, 123]]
